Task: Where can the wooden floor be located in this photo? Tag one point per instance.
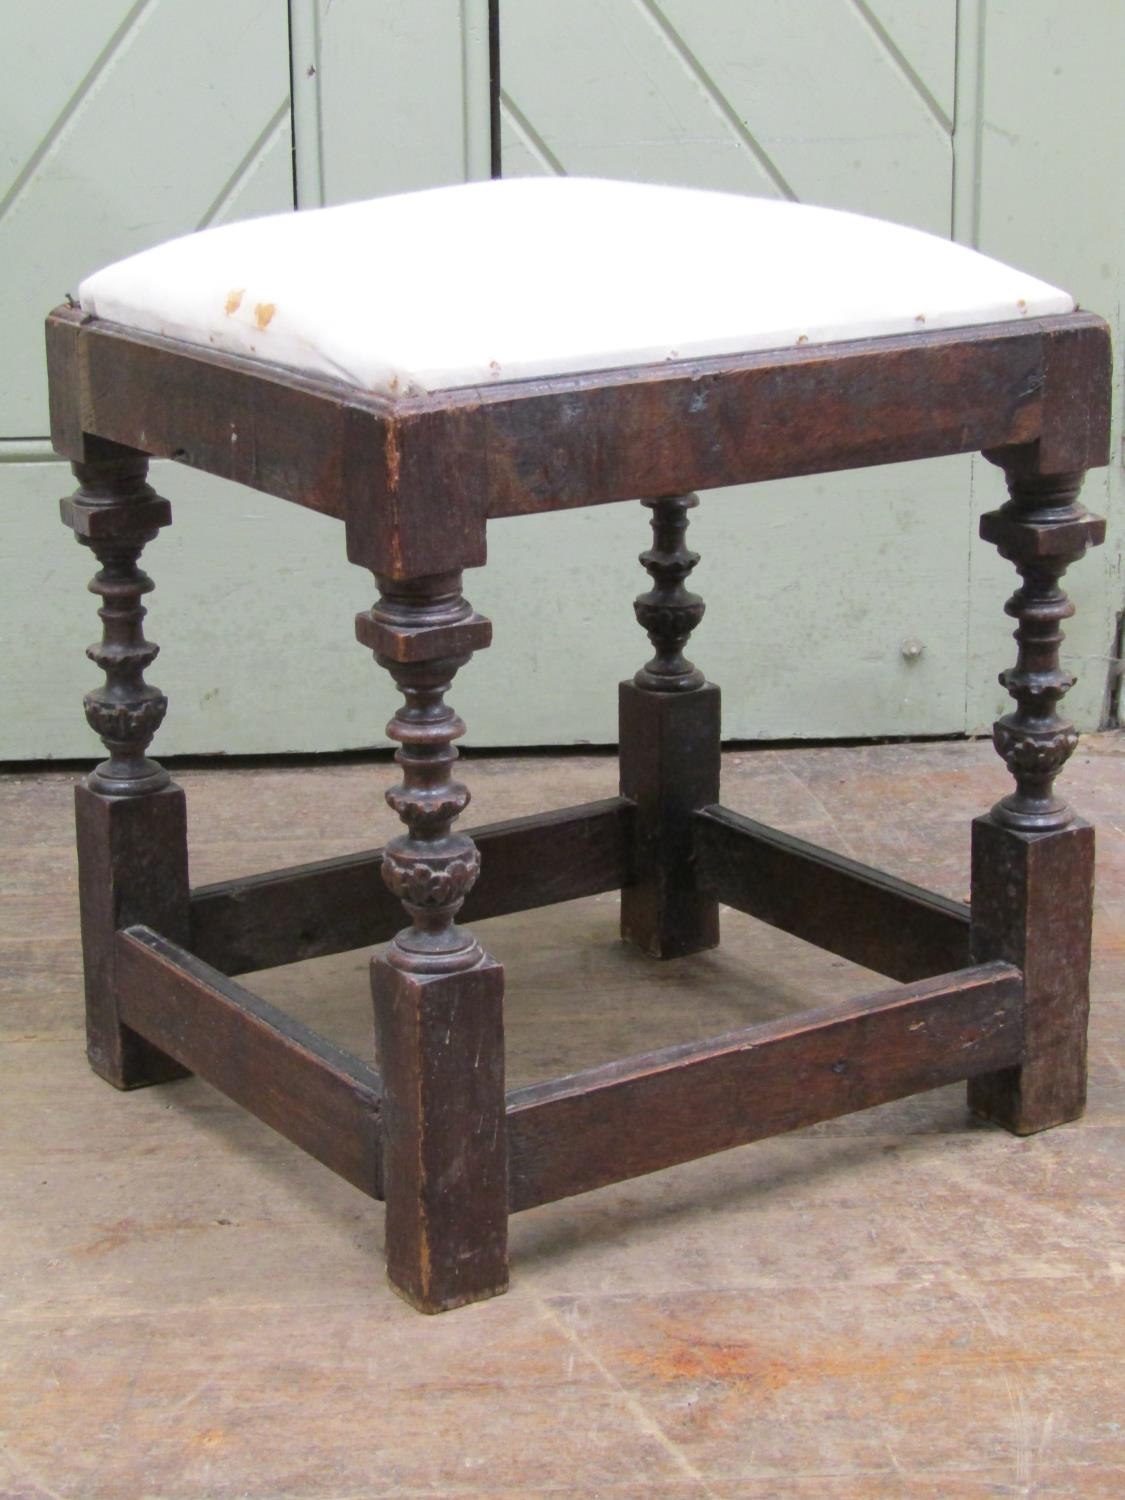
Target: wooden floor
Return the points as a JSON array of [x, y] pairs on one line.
[[899, 1304]]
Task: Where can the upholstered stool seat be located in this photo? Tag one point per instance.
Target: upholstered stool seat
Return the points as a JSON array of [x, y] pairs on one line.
[[421, 368], [501, 281]]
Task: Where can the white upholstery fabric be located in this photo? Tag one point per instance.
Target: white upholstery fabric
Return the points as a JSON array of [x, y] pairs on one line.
[[540, 276]]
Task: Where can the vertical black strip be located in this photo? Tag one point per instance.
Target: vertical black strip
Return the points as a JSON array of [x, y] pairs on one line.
[[292, 104], [494, 85], [1111, 713]]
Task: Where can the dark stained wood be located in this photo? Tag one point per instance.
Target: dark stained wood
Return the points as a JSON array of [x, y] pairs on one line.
[[262, 425], [644, 1113], [131, 824], [407, 507], [64, 384], [863, 914], [438, 997], [668, 612], [422, 632], [115, 513], [1033, 860], [415, 478], [440, 1041], [132, 867], [1042, 529], [670, 744], [767, 416], [669, 726], [318, 1096], [1077, 381], [333, 905], [415, 481], [1032, 905]]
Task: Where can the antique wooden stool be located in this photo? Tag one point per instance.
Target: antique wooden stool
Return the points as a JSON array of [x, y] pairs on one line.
[[419, 366]]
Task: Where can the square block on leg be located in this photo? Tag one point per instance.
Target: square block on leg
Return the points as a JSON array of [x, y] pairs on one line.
[[132, 868], [440, 1041], [670, 751], [1032, 905]]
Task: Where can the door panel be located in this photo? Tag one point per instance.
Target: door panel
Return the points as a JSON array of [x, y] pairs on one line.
[[1051, 164], [814, 586], [389, 97], [688, 91], [128, 125], [125, 123], [922, 42]]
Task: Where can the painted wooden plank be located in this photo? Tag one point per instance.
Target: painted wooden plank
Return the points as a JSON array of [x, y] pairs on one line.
[[63, 50], [1043, 200], [597, 90], [832, 101], [793, 632], [175, 116], [830, 110], [923, 42], [771, 636], [389, 97], [578, 114], [300, 682], [843, 107]]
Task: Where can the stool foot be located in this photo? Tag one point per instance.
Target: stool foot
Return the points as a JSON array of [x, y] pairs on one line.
[[440, 1040], [669, 768], [132, 868], [1031, 906]]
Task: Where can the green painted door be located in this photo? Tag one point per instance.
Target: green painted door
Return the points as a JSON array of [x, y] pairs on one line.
[[129, 123], [859, 604]]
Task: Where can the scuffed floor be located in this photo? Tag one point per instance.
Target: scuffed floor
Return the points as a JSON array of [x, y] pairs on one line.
[[898, 1304]]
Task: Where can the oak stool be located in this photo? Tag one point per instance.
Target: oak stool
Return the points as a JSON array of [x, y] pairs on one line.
[[420, 366]]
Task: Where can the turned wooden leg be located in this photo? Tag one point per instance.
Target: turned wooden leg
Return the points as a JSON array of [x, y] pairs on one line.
[[438, 998], [669, 726], [131, 823], [1033, 859]]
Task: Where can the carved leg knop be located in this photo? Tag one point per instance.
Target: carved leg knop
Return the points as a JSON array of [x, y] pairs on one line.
[[670, 737], [669, 612], [132, 832], [1033, 859], [116, 514], [1042, 529], [438, 997]]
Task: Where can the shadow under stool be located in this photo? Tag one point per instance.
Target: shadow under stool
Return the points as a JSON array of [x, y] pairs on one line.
[[419, 368]]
